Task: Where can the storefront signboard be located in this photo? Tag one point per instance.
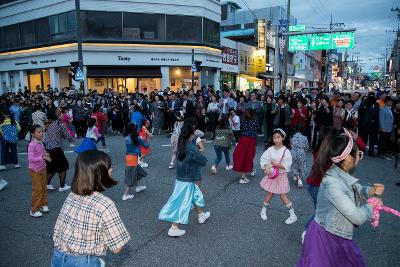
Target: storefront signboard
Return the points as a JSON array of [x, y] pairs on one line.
[[260, 61], [261, 34], [229, 56]]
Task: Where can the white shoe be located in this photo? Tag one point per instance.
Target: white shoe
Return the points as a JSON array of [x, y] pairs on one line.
[[140, 188], [303, 235], [143, 164], [175, 232], [3, 183], [105, 150], [299, 183], [244, 180], [263, 213], [171, 166], [36, 214], [204, 216], [229, 167], [50, 187], [17, 166], [65, 188], [127, 196], [253, 173], [71, 145], [45, 209], [292, 218], [213, 169], [2, 168]]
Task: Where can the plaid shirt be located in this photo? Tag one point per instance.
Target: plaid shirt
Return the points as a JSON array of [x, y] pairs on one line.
[[88, 225], [55, 135]]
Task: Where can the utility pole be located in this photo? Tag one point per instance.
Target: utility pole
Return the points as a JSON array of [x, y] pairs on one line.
[[79, 40], [327, 58], [285, 52], [277, 62], [192, 87]]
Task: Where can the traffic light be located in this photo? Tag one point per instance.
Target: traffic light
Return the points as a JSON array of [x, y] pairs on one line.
[[73, 69], [197, 65]]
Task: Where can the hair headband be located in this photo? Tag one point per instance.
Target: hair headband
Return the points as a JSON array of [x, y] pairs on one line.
[[347, 150], [281, 131]]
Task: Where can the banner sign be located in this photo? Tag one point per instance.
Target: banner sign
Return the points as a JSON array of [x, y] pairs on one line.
[[229, 55], [261, 34]]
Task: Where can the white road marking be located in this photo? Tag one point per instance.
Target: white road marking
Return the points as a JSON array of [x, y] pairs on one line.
[[65, 152]]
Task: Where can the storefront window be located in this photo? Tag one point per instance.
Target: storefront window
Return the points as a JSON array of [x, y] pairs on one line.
[[26, 29], [184, 28], [211, 32], [181, 78], [101, 25], [42, 30], [39, 80], [144, 85], [143, 26]]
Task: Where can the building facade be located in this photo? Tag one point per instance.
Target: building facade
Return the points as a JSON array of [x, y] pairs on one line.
[[127, 44]]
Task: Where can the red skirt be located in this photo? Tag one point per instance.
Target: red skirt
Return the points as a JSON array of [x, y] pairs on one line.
[[244, 154]]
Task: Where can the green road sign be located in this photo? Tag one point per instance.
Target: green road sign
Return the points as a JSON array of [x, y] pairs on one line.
[[297, 28], [320, 41], [342, 40], [298, 43]]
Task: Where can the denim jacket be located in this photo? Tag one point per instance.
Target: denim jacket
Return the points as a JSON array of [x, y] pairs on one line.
[[188, 169], [339, 201]]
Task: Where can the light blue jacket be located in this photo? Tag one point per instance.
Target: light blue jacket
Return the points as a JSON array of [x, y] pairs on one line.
[[339, 202], [386, 119]]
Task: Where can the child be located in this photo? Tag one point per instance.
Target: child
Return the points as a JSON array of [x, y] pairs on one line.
[[133, 171], [89, 223], [144, 151], [299, 144], [186, 193], [222, 143], [245, 150], [175, 135], [277, 156], [9, 130], [92, 134], [37, 170], [67, 119]]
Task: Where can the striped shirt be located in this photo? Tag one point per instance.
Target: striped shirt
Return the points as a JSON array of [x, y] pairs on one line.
[[55, 135], [89, 225]]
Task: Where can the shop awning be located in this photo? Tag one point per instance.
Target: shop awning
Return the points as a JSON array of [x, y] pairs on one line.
[[265, 76], [134, 72]]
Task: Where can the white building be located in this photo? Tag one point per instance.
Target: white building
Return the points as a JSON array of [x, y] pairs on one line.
[[126, 43]]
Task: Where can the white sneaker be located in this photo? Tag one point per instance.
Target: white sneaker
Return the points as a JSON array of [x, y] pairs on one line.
[[127, 196], [229, 167], [204, 216], [292, 218], [65, 188], [263, 213], [140, 188], [36, 214], [303, 235], [71, 145], [3, 183], [45, 209], [175, 232], [2, 168], [253, 173], [50, 187], [17, 166], [244, 180], [299, 183], [143, 164], [213, 169], [105, 150], [171, 166]]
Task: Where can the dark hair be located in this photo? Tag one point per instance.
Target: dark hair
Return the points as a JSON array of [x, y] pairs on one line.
[[37, 107], [223, 122], [299, 127], [248, 115], [132, 131], [8, 113], [91, 122], [186, 132], [350, 102], [286, 141], [96, 108], [324, 143], [33, 128], [191, 121], [388, 98], [91, 173]]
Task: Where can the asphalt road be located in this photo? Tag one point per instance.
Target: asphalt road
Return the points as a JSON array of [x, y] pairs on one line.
[[233, 236]]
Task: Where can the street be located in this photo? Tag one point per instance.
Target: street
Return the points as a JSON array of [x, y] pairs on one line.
[[233, 236]]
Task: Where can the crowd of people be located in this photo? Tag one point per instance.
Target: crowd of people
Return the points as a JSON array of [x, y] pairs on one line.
[[338, 128]]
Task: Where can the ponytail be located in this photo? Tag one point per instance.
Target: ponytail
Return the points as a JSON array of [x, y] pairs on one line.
[[186, 132]]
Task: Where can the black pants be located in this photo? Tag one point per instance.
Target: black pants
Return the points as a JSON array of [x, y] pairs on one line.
[[8, 153], [237, 134], [384, 142], [80, 127], [370, 137]]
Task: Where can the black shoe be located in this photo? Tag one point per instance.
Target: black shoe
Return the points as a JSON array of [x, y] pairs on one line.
[[398, 184]]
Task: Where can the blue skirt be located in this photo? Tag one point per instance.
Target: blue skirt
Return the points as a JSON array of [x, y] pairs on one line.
[[86, 145], [182, 200]]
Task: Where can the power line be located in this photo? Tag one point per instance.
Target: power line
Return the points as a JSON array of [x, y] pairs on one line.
[[323, 8], [248, 7]]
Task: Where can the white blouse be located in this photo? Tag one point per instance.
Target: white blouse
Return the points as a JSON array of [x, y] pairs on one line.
[[271, 154]]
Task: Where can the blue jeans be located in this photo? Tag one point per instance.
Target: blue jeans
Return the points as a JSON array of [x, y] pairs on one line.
[[218, 151], [62, 259], [313, 191], [103, 140]]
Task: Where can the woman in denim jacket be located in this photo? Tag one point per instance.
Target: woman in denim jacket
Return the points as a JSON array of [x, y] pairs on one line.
[[340, 207], [186, 194]]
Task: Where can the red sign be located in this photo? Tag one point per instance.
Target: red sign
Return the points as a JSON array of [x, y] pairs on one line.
[[229, 55]]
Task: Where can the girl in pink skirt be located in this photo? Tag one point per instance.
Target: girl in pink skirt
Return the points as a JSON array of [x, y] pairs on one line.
[[278, 157]]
